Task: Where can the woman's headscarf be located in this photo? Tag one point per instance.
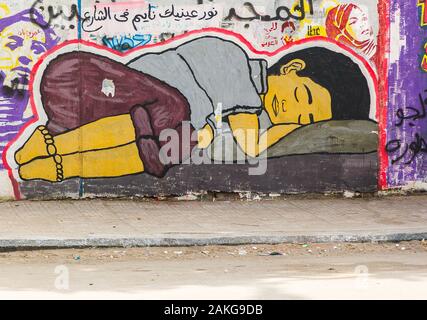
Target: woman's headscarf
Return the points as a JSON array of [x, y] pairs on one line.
[[336, 28]]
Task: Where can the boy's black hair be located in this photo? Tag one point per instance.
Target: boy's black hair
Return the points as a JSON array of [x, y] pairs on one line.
[[337, 73]]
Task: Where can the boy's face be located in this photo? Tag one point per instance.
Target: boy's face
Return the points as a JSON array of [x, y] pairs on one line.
[[295, 99]]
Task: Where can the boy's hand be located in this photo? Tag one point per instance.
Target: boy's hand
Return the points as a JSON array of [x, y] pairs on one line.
[[205, 137]]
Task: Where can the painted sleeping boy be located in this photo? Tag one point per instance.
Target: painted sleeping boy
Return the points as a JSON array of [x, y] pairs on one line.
[[105, 118]]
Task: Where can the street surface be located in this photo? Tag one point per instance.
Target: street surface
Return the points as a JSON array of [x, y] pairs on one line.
[[292, 271]]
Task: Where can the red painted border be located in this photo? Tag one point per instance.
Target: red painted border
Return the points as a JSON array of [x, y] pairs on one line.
[[145, 48], [383, 66]]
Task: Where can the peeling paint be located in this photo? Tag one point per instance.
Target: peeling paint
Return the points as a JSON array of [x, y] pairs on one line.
[[108, 88]]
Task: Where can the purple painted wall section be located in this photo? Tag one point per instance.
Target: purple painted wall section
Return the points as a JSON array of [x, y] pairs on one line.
[[407, 118], [14, 94]]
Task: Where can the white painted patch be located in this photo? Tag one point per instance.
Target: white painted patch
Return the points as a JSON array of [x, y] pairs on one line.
[[274, 195], [189, 197], [398, 40], [108, 88], [349, 194], [218, 117], [6, 189], [415, 186]]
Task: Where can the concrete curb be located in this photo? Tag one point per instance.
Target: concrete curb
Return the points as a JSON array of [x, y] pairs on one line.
[[97, 223], [206, 241]]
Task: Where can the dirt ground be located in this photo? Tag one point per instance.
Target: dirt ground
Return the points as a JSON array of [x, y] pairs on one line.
[[298, 271], [76, 256]]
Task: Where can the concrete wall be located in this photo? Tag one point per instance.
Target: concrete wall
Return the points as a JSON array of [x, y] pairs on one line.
[[120, 98]]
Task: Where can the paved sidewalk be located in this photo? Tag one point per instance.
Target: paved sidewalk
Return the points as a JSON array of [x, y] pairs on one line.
[[128, 223]]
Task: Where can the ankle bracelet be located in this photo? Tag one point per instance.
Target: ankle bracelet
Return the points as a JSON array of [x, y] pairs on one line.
[[53, 152]]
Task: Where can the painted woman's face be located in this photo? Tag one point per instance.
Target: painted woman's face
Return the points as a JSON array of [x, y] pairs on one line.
[[358, 25], [297, 100], [21, 45]]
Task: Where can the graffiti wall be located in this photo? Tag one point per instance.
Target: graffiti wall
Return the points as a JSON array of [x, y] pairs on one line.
[[406, 124], [159, 98]]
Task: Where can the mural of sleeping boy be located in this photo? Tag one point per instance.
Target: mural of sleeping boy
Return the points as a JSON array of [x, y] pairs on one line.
[[104, 117]]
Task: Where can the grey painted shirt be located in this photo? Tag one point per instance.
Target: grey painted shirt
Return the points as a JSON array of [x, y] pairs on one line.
[[210, 72]]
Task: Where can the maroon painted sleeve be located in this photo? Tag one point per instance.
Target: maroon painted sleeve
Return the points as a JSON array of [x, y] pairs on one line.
[[149, 122]]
